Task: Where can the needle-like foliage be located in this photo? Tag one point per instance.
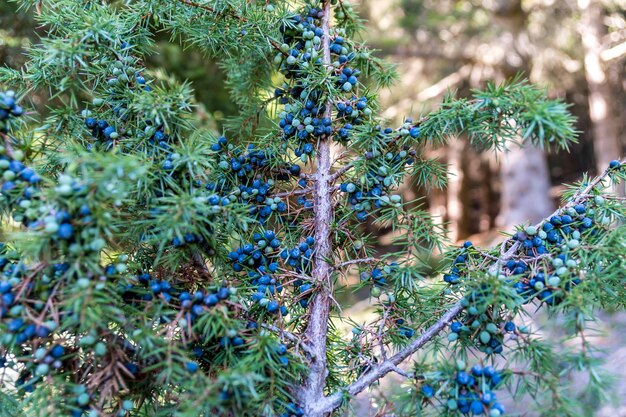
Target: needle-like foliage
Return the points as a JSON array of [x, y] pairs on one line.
[[151, 267]]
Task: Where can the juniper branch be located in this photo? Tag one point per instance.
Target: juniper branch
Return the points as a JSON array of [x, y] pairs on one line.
[[335, 400]]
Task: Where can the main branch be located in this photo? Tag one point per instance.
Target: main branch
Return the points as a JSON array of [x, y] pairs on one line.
[[312, 392]]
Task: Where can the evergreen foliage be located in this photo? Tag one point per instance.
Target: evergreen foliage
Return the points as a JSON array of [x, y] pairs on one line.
[[153, 268]]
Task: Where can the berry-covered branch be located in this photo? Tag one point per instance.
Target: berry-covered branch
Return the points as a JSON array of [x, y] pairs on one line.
[[509, 249]]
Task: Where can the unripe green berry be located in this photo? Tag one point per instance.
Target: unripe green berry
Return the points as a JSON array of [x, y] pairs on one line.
[[42, 369], [40, 353], [88, 340], [100, 349], [83, 399], [554, 281], [531, 230], [452, 403], [8, 175], [491, 328]]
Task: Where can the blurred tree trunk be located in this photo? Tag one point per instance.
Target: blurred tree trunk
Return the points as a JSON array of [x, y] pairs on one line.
[[457, 194], [525, 187], [605, 124], [525, 193]]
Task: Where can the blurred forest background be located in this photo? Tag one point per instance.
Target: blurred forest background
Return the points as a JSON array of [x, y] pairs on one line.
[[575, 48]]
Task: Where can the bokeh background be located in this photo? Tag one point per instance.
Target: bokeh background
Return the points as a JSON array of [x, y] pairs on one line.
[[575, 48]]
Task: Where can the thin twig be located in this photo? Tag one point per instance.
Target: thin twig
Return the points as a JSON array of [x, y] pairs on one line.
[[290, 336], [294, 192], [356, 261], [212, 10], [404, 373], [379, 334], [341, 171]]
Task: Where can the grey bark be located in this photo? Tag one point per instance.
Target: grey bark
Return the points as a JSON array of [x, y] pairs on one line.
[[312, 392]]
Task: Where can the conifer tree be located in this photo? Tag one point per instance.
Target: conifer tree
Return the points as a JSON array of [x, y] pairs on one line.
[[153, 268]]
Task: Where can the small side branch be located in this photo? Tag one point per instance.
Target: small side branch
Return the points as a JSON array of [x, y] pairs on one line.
[[356, 261], [341, 171], [7, 144], [303, 191], [404, 373], [211, 9], [291, 337]]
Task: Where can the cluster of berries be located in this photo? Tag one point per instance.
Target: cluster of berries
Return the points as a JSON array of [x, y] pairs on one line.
[[404, 330], [304, 119], [251, 178], [469, 392], [125, 74], [118, 121], [69, 226], [193, 304], [80, 405], [37, 354], [365, 202], [101, 130], [378, 277], [8, 109], [351, 112], [259, 258], [458, 267], [374, 192], [71, 223], [36, 344], [482, 323], [303, 116], [300, 260], [18, 183], [545, 269]]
